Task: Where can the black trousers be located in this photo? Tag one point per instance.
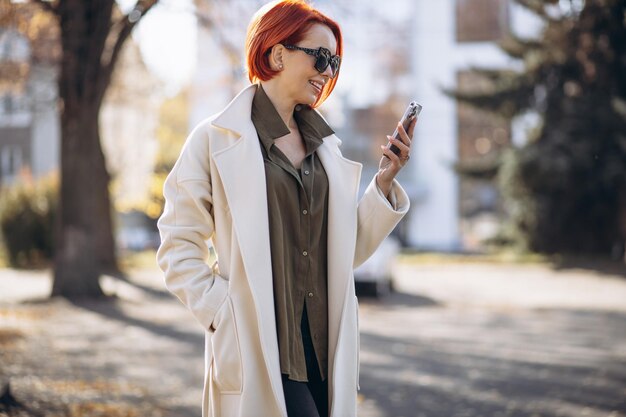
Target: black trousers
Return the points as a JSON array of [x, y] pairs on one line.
[[307, 399]]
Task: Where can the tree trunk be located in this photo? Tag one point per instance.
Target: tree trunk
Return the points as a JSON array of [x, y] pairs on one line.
[[77, 269], [103, 211], [84, 237], [92, 35]]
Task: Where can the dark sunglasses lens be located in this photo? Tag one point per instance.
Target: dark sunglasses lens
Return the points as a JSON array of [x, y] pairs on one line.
[[321, 63], [334, 65], [324, 59]]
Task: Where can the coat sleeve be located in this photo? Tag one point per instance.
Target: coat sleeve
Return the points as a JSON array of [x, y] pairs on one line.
[[186, 226], [376, 218]]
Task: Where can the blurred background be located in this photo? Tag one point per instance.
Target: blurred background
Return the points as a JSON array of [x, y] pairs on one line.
[[509, 266]]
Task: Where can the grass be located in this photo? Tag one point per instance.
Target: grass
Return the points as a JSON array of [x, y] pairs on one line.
[[143, 260], [503, 257], [95, 409], [147, 258], [9, 337], [137, 260], [4, 260]]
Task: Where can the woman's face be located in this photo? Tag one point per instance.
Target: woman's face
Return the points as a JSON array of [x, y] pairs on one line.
[[302, 83]]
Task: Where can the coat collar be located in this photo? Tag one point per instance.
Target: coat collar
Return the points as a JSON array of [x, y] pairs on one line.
[[233, 116]]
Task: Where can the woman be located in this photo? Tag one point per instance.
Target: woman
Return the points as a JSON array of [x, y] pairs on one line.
[[266, 182]]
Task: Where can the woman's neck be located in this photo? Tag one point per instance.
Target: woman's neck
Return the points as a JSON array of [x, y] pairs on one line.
[[283, 105]]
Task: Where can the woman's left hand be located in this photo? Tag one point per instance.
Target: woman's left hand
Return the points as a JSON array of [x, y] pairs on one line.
[[390, 163]]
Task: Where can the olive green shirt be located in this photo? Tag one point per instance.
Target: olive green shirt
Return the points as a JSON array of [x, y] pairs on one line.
[[298, 216]]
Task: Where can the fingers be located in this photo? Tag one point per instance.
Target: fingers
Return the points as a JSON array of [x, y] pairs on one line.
[[404, 149], [412, 128], [395, 159], [404, 136]]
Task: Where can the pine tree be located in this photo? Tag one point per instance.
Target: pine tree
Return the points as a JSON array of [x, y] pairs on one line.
[[565, 189]]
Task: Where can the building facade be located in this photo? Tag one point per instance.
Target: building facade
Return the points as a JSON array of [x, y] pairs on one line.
[[29, 121]]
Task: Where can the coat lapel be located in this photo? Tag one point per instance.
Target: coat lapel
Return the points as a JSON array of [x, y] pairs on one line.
[[242, 173], [343, 178]]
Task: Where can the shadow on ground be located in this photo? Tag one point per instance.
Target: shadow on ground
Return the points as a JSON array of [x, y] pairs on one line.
[[113, 357], [477, 363], [396, 299], [602, 266]]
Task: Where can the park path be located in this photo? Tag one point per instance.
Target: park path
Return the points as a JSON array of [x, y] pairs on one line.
[[455, 340], [495, 340]]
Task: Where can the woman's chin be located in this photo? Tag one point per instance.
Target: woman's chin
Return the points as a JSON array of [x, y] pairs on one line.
[[308, 100], [311, 96]]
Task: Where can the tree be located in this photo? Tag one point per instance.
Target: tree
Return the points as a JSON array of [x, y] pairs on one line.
[[92, 35], [565, 189]]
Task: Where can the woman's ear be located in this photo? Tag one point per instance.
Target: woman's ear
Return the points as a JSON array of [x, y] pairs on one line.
[[276, 57]]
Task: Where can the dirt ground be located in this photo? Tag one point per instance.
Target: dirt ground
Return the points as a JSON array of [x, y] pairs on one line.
[[455, 340]]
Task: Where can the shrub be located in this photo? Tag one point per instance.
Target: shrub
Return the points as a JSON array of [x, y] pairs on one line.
[[27, 212]]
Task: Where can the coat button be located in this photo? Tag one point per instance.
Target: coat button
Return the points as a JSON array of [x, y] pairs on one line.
[[306, 172], [305, 212], [310, 294], [305, 253]]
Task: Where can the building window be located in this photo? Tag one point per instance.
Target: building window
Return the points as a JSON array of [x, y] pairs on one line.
[[10, 161], [4, 104], [13, 103], [13, 46], [481, 20]]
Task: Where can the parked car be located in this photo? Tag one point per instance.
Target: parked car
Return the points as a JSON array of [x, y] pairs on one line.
[[376, 273], [137, 239]]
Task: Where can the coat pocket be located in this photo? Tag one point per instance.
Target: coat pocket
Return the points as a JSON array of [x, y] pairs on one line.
[[227, 369]]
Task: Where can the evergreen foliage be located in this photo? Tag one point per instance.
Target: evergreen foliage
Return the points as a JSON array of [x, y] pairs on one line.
[[565, 189]]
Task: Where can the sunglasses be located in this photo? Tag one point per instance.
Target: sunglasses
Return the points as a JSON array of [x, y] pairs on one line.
[[323, 58]]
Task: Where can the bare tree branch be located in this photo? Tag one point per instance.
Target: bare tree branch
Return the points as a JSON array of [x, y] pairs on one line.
[[208, 22], [126, 24], [47, 6], [538, 7]]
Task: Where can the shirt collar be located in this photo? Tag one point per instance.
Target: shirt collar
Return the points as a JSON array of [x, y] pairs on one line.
[[270, 125]]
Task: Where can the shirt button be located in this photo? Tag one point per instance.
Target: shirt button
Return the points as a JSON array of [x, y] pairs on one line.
[[310, 294], [305, 212], [306, 172], [305, 253]]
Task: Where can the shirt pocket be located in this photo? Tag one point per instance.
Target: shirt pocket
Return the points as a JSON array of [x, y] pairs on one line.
[[227, 364]]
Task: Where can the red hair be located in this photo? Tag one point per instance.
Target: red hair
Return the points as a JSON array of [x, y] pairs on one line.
[[286, 22]]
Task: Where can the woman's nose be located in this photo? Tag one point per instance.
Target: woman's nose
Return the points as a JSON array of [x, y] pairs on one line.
[[328, 72]]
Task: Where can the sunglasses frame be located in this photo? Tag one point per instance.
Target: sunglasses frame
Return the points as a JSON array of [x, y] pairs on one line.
[[317, 53]]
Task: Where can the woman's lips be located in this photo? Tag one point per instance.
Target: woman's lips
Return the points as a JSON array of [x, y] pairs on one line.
[[317, 86]]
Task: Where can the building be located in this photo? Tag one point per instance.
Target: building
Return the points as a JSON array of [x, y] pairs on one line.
[[29, 121]]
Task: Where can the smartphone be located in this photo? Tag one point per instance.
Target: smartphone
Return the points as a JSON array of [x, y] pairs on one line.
[[411, 112]]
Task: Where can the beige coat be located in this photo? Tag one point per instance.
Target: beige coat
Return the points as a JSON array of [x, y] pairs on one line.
[[216, 191]]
